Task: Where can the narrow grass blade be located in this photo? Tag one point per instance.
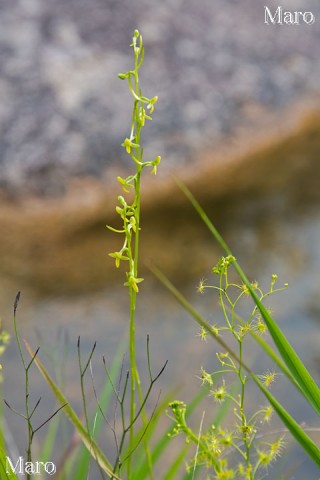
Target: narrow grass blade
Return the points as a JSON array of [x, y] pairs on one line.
[[271, 353], [217, 420], [140, 470], [90, 444], [140, 467], [198, 318], [184, 302], [7, 446], [84, 459], [50, 439], [171, 473], [307, 384], [296, 431], [164, 442], [300, 373], [55, 424], [4, 474]]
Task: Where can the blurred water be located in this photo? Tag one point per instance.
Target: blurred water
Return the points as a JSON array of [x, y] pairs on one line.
[[271, 235]]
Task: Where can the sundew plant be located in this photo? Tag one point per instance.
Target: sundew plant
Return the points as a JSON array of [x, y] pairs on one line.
[[215, 450], [240, 451], [214, 446]]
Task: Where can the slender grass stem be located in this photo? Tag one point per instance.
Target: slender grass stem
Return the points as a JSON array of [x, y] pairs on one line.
[[26, 380]]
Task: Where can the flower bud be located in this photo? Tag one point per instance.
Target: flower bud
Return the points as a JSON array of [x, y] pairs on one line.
[[122, 201]]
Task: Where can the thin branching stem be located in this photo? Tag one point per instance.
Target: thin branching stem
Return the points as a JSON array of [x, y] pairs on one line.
[[84, 399]]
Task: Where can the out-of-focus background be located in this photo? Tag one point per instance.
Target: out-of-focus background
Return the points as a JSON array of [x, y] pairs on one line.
[[238, 119]]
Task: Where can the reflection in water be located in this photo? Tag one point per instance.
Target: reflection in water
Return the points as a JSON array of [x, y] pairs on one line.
[[267, 236]]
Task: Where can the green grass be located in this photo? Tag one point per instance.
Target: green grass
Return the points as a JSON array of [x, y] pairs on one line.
[[141, 444]]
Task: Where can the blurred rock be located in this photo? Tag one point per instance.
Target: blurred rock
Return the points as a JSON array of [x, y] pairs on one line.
[[238, 117], [214, 65]]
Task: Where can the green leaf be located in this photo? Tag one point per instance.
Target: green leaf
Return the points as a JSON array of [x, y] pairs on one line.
[[171, 473], [140, 467], [3, 453], [297, 432], [271, 353], [184, 302], [305, 441], [89, 443], [50, 438], [300, 373], [4, 475], [84, 460]]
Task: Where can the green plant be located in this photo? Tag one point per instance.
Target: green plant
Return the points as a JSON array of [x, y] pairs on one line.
[[138, 446], [127, 452], [4, 341], [214, 446], [288, 361], [29, 466], [129, 213]]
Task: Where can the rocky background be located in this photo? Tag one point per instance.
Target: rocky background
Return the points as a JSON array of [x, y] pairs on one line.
[[214, 65], [238, 115]]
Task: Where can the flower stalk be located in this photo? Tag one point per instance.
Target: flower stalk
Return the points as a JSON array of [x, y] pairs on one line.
[[143, 108]]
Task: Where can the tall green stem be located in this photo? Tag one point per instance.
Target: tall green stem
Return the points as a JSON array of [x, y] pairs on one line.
[[130, 214]]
